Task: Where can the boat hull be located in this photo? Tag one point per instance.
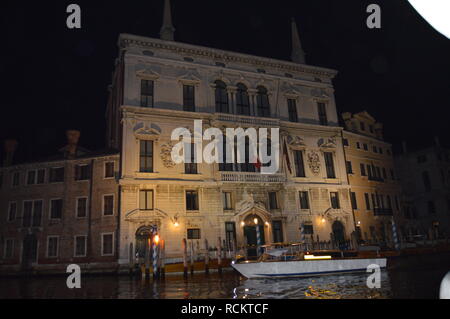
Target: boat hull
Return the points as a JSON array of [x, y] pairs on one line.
[[304, 268]]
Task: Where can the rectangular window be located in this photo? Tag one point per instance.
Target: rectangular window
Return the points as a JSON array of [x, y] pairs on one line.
[[37, 213], [366, 197], [345, 142], [56, 208], [108, 205], [358, 145], [322, 110], [109, 169], [369, 171], [52, 247], [230, 234], [81, 207], [277, 228], [82, 172], [56, 175], [146, 157], [193, 233], [353, 200], [227, 203], [147, 88], [80, 246], [9, 248], [329, 164], [191, 200], [362, 167], [362, 125], [189, 98], [292, 109], [273, 202], [40, 176], [366, 148], [334, 196], [146, 199], [12, 211], [107, 244], [349, 167], [299, 164], [304, 200], [27, 213], [31, 177], [16, 179], [191, 168], [374, 202]]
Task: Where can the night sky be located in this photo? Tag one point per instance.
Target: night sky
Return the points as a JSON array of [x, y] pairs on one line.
[[54, 78]]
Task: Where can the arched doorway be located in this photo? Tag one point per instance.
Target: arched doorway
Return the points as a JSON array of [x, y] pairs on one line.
[[143, 243], [251, 223], [29, 251], [338, 233]]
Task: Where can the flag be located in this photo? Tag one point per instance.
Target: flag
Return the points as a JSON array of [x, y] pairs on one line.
[[286, 155]]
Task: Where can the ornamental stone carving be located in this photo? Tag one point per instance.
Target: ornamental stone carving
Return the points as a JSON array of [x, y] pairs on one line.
[[166, 155], [326, 143], [296, 142], [314, 162]]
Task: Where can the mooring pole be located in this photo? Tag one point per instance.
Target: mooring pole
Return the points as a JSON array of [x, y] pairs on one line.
[[206, 257], [219, 256], [185, 262], [162, 259]]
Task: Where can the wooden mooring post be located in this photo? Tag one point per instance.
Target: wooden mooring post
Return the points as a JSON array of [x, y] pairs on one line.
[[219, 256], [185, 261], [206, 257], [162, 258], [192, 257]]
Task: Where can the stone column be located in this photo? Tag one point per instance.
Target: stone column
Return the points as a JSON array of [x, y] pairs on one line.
[[252, 97], [232, 99]]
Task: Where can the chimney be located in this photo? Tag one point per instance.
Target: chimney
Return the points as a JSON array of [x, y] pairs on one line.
[[437, 142], [10, 146], [73, 137], [405, 150]]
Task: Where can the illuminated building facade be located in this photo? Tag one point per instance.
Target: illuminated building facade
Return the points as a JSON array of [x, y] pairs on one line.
[[375, 187], [160, 85]]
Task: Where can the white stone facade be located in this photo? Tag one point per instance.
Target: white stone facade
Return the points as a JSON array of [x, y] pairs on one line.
[[170, 65]]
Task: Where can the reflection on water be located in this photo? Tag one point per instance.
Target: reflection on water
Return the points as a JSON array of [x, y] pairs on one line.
[[398, 284]]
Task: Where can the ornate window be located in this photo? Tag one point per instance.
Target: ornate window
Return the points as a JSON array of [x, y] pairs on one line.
[[292, 109], [299, 164], [221, 97], [322, 110], [189, 98], [147, 87], [242, 100], [262, 101], [329, 164], [146, 157]]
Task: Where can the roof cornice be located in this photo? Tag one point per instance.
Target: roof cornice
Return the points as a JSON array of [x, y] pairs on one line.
[[129, 40]]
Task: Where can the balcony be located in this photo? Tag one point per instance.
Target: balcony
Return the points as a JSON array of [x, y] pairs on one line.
[[251, 177], [382, 212], [247, 120]]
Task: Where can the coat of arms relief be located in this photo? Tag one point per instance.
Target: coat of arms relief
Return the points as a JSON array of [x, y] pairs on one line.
[[314, 162]]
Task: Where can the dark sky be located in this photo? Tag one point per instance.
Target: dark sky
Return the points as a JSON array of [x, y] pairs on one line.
[[54, 78]]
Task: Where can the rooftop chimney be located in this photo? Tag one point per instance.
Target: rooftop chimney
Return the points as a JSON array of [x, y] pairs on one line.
[[10, 146], [73, 137]]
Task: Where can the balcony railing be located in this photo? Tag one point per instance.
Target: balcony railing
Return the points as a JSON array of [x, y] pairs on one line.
[[383, 212], [250, 120], [251, 177]]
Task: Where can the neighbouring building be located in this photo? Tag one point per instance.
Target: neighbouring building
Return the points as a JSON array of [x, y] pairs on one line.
[[375, 188], [425, 178], [159, 85], [59, 211]]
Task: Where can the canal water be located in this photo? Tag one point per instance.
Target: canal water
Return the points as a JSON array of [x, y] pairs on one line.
[[417, 280]]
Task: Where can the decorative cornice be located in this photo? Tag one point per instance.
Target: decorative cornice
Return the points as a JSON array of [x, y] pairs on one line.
[[128, 40]]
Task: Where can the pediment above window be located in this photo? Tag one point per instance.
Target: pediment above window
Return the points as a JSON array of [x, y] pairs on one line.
[[147, 74], [147, 132], [327, 143], [296, 142], [320, 93], [189, 79]]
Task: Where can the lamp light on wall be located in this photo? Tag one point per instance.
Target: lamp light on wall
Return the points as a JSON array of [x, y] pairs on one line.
[[255, 220], [323, 220], [267, 224], [156, 239], [242, 224]]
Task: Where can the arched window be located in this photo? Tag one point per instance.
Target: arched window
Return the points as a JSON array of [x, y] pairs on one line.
[[221, 97], [262, 101], [242, 100]]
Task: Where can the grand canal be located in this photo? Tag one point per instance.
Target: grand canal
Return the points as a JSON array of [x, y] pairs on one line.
[[419, 280]]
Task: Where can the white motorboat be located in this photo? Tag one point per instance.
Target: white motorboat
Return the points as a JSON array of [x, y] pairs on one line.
[[278, 263]]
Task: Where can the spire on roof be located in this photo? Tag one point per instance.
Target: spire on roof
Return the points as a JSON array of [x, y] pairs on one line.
[[167, 29], [298, 55]]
